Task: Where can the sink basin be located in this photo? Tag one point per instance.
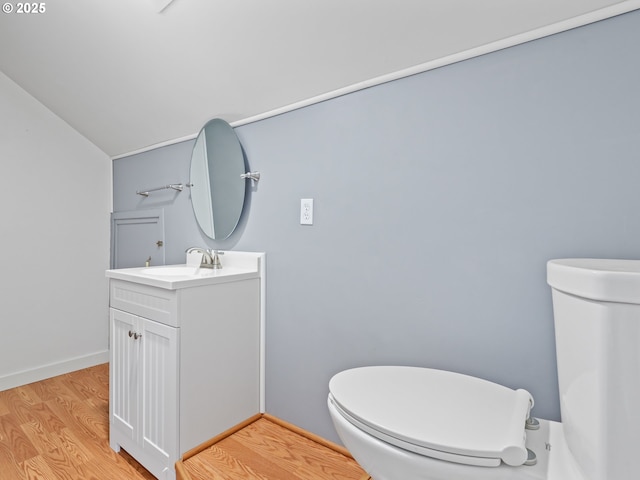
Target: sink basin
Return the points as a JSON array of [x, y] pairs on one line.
[[176, 271]]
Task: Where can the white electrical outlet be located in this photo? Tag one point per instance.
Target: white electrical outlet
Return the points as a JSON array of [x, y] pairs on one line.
[[306, 211]]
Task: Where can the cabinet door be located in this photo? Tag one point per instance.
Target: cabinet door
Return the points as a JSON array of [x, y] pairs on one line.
[[159, 391], [143, 394], [124, 374], [135, 237]]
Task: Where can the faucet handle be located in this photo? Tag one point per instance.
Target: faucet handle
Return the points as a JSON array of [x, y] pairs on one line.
[[215, 259]]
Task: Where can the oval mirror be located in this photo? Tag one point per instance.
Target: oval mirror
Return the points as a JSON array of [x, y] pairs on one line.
[[217, 190]]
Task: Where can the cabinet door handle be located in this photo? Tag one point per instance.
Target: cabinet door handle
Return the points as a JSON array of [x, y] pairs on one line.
[[136, 336], [130, 333]]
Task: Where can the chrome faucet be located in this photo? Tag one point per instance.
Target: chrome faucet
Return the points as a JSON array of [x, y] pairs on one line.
[[207, 260], [210, 258]]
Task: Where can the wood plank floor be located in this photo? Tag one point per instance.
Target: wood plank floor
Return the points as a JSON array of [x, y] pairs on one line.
[[59, 429], [267, 450]]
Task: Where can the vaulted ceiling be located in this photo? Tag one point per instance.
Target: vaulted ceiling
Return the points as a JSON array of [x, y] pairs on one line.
[[128, 74]]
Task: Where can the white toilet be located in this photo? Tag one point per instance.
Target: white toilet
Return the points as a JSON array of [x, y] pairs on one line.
[[411, 423]]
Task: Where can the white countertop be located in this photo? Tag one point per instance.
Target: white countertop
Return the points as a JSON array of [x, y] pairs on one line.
[[236, 266]]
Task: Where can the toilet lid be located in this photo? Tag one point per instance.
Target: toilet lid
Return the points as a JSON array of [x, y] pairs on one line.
[[436, 413]]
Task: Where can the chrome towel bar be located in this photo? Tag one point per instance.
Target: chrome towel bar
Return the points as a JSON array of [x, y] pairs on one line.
[[174, 186]]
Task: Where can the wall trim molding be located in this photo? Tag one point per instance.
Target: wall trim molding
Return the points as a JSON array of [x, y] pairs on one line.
[[621, 8], [159, 145], [52, 370]]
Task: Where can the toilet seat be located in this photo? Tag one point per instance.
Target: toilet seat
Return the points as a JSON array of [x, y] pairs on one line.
[[440, 414]]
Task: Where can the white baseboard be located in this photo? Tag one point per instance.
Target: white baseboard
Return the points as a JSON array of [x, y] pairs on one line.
[[52, 370]]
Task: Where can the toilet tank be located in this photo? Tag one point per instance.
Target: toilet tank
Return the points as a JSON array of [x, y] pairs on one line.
[[596, 306]]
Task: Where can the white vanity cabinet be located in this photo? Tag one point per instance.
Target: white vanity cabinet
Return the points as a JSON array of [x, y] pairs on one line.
[[186, 359]]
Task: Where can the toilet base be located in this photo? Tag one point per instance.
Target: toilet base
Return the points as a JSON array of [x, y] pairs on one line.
[[383, 461]]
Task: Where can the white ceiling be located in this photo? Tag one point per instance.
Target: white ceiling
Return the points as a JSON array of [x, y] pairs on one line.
[[127, 76]]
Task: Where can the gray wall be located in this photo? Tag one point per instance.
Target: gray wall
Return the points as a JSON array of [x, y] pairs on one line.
[[438, 200]]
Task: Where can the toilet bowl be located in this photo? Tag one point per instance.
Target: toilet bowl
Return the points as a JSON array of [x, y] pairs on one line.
[[414, 423], [386, 415]]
